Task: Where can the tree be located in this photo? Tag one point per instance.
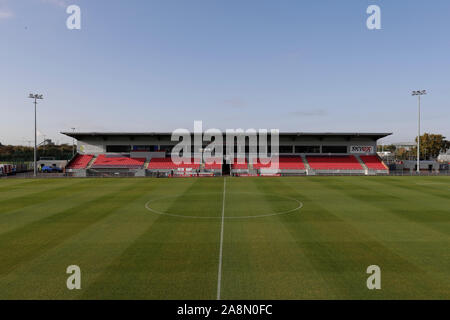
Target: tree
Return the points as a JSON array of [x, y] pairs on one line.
[[23, 154], [404, 154], [431, 145]]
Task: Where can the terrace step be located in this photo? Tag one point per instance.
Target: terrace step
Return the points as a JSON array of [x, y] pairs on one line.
[[362, 164], [309, 171], [146, 164], [91, 162]]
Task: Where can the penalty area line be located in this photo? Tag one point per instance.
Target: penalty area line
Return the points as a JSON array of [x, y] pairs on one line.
[[219, 272]]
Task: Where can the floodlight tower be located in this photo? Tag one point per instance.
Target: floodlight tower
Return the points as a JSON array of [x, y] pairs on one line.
[[418, 93], [35, 97]]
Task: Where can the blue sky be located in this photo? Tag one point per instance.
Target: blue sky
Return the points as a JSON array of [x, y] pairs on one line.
[[160, 65]]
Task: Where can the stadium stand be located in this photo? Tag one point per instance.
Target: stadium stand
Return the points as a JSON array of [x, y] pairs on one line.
[[168, 164], [291, 163], [239, 166], [216, 165], [334, 163], [113, 162], [258, 164], [148, 154], [373, 162], [285, 163], [80, 161]]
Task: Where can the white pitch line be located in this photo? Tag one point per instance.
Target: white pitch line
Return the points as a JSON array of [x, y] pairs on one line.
[[219, 272], [263, 215]]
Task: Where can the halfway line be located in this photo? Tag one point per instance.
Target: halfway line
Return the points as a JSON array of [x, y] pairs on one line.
[[219, 273]]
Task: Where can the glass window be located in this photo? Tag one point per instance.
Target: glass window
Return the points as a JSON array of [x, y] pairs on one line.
[[334, 149], [286, 149], [307, 149], [145, 148], [165, 148], [118, 148]]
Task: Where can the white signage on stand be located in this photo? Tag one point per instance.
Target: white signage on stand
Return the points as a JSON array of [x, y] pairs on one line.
[[361, 149]]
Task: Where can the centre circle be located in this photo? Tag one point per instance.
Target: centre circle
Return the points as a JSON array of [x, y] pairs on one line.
[[209, 205]]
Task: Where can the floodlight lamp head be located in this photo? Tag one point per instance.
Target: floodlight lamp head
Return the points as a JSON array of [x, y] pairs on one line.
[[35, 96], [419, 92]]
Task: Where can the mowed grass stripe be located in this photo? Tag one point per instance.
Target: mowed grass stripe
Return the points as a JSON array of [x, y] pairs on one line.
[[422, 209], [92, 249], [356, 250], [371, 210], [8, 186], [375, 190], [410, 184], [261, 259], [126, 251], [44, 195], [194, 204], [61, 201], [26, 243], [332, 246], [10, 189], [420, 235], [175, 258]]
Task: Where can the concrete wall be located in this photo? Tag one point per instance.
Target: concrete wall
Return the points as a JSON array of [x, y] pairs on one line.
[[92, 145], [58, 163], [147, 155], [424, 164]]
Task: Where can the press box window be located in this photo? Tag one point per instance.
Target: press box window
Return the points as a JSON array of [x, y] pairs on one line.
[[307, 149], [334, 149], [118, 149]]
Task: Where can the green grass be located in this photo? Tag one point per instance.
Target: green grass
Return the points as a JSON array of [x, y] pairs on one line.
[[320, 251]]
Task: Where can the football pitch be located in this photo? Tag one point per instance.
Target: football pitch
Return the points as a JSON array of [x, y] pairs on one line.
[[227, 238]]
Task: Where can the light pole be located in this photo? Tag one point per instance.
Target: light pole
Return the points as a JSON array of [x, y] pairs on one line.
[[35, 97], [73, 143], [418, 93]]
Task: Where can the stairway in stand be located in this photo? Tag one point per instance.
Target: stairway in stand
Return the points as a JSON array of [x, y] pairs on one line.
[[309, 171], [362, 164], [91, 162]]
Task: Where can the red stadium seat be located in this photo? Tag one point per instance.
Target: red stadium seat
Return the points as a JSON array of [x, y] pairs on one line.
[[373, 162], [167, 163], [241, 165], [334, 163], [215, 165], [80, 161], [284, 163], [105, 162]]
